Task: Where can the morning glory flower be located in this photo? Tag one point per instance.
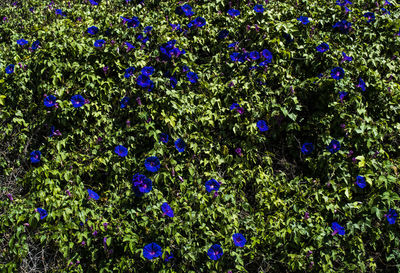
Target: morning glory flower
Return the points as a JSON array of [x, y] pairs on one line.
[[152, 251], [323, 47], [337, 73], [152, 164], [180, 145], [391, 216], [147, 29], [147, 70], [121, 151], [198, 22], [99, 43], [192, 77], [343, 3], [262, 125], [238, 239], [267, 55], [361, 84], [212, 185], [10, 69], [167, 210], [60, 12], [35, 45], [304, 20], [129, 72], [50, 101], [77, 101], [124, 102], [360, 181], [342, 95], [307, 148], [42, 212], [223, 34], [215, 252], [168, 256], [22, 42], [346, 58], [143, 81], [35, 156], [254, 55], [233, 12], [258, 8], [164, 138], [337, 229], [370, 16], [130, 46], [92, 30], [334, 146], [93, 195], [343, 26]]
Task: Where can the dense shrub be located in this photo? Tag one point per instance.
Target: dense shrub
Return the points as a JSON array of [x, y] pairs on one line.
[[207, 136]]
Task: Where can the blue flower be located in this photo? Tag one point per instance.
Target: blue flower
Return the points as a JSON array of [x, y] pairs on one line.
[[262, 125], [343, 26], [93, 3], [391, 216], [99, 43], [42, 212], [238, 239], [180, 145], [10, 69], [323, 47], [233, 12], [334, 146], [168, 256], [60, 12], [192, 77], [143, 81], [141, 184], [77, 101], [129, 72], [185, 9], [152, 251], [370, 16], [185, 68], [235, 56], [304, 20], [234, 106], [223, 34], [124, 102], [93, 195], [173, 81], [134, 22], [22, 42], [233, 44], [337, 73], [215, 252], [342, 95], [35, 156], [121, 151], [307, 148], [164, 138], [337, 229], [343, 3], [147, 70], [267, 55], [167, 210], [254, 55], [92, 30], [258, 8], [50, 101], [360, 181], [130, 46], [212, 185], [346, 58], [361, 84], [35, 45], [147, 29], [152, 164]]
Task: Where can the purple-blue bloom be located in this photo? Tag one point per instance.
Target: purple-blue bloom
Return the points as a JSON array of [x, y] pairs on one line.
[[77, 101], [121, 151], [262, 125], [167, 210], [164, 138], [180, 145], [93, 30], [215, 252], [147, 29], [267, 55], [192, 77], [152, 164], [343, 3], [147, 70], [10, 69], [361, 84], [304, 20], [342, 95], [254, 55], [129, 72], [93, 195], [343, 26], [35, 156], [223, 34], [307, 148], [152, 251], [99, 43], [337, 229], [50, 101], [239, 240], [337, 73], [370, 16], [258, 8], [334, 146], [360, 181], [60, 12], [346, 58], [233, 12], [391, 216], [22, 42], [143, 81], [141, 184], [124, 102], [212, 185], [323, 47], [35, 45], [42, 212]]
